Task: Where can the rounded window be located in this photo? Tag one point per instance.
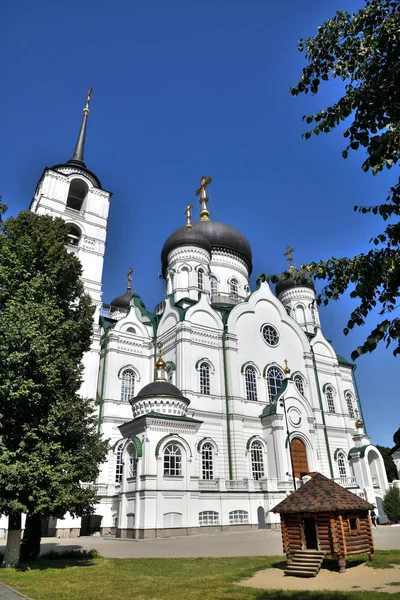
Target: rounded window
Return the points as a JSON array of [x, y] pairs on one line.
[[270, 335]]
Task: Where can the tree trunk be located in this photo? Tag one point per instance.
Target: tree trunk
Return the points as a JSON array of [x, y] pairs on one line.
[[11, 556], [30, 546]]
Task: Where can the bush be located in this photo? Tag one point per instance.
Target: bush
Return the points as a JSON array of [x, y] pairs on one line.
[[391, 504], [70, 554]]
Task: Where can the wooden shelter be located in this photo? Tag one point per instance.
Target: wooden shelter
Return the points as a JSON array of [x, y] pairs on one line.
[[323, 518]]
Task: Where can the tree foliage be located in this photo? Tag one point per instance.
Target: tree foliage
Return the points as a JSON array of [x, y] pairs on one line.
[[391, 504], [390, 466], [363, 50], [48, 433]]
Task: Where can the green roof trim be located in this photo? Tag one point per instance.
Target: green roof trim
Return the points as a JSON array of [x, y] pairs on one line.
[[269, 410], [358, 451], [138, 445], [173, 436], [344, 361], [181, 311], [170, 363], [250, 440], [337, 452]]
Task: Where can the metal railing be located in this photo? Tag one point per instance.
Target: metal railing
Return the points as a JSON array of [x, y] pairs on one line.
[[223, 298], [347, 482]]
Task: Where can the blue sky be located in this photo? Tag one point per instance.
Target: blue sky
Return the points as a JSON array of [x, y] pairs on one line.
[[183, 89]]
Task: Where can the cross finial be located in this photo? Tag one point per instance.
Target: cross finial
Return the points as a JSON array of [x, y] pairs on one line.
[[286, 370], [188, 215], [86, 109], [288, 255], [202, 192], [160, 364], [129, 276]]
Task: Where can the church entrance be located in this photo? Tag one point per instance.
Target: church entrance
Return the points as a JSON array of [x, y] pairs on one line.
[[310, 533], [299, 457]]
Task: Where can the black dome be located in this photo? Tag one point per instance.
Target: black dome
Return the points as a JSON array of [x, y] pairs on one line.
[[79, 166], [159, 388], [183, 237], [217, 234], [303, 280], [123, 301]]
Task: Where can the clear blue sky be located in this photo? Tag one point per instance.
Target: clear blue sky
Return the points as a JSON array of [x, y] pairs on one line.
[[182, 89]]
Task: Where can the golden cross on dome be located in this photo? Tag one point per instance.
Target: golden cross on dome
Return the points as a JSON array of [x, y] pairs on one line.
[[202, 192], [86, 109], [289, 256], [286, 370], [188, 214], [129, 276]]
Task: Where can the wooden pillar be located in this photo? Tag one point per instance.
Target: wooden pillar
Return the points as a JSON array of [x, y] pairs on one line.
[[371, 544], [285, 540]]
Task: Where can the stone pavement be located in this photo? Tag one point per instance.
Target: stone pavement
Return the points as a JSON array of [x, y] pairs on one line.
[[243, 543], [7, 593]]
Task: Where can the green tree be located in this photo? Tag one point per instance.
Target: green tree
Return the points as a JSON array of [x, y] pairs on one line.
[[391, 504], [48, 436], [390, 467], [363, 50]]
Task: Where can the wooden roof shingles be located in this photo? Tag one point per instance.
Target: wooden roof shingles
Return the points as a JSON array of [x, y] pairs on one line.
[[321, 494]]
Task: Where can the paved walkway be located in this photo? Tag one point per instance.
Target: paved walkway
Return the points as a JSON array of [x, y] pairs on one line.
[[246, 543], [7, 593]]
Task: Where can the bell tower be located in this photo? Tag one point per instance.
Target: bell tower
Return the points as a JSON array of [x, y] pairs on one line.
[[71, 191]]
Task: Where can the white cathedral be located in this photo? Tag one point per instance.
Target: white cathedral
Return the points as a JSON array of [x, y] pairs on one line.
[[221, 399]]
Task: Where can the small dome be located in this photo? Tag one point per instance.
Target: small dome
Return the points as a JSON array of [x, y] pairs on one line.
[[184, 236], [123, 301], [216, 234], [303, 280], [159, 388]]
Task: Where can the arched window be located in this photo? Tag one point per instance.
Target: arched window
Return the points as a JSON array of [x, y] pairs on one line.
[[204, 370], [251, 383], [127, 385], [207, 470], [76, 194], [132, 466], [131, 330], [299, 383], [119, 465], [234, 288], [73, 235], [341, 461], [274, 381], [300, 315], [214, 285], [350, 405], [172, 519], [172, 460], [184, 278], [329, 399], [208, 517], [200, 279], [257, 462], [238, 517]]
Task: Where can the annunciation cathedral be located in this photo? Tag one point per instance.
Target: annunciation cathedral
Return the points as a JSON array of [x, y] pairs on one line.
[[220, 399]]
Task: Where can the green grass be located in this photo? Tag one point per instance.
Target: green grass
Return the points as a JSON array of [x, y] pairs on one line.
[[88, 577]]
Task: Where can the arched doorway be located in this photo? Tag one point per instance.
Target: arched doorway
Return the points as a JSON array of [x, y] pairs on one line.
[[299, 457]]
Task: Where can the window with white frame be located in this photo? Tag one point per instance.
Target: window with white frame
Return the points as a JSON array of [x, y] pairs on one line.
[[207, 459], [238, 517], [299, 383], [251, 383], [234, 288], [257, 462], [204, 371], [172, 519], [274, 381], [341, 462], [208, 517], [270, 335], [172, 460], [119, 465], [127, 385], [329, 399], [132, 464], [200, 279], [213, 285], [350, 405]]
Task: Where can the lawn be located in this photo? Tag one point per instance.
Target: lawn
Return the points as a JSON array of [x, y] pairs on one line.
[[164, 579]]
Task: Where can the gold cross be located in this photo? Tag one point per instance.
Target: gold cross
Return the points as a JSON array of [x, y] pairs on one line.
[[86, 109], [188, 215], [129, 276], [288, 255], [202, 192]]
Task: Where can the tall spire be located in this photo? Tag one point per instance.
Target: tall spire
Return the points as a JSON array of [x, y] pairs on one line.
[[80, 143]]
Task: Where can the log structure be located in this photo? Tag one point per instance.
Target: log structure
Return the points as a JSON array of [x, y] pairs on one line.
[[323, 516]]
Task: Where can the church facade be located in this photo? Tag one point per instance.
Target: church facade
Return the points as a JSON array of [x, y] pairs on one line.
[[221, 399]]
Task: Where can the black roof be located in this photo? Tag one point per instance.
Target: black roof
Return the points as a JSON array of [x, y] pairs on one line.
[[123, 301], [160, 388], [302, 280], [80, 166], [216, 234]]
